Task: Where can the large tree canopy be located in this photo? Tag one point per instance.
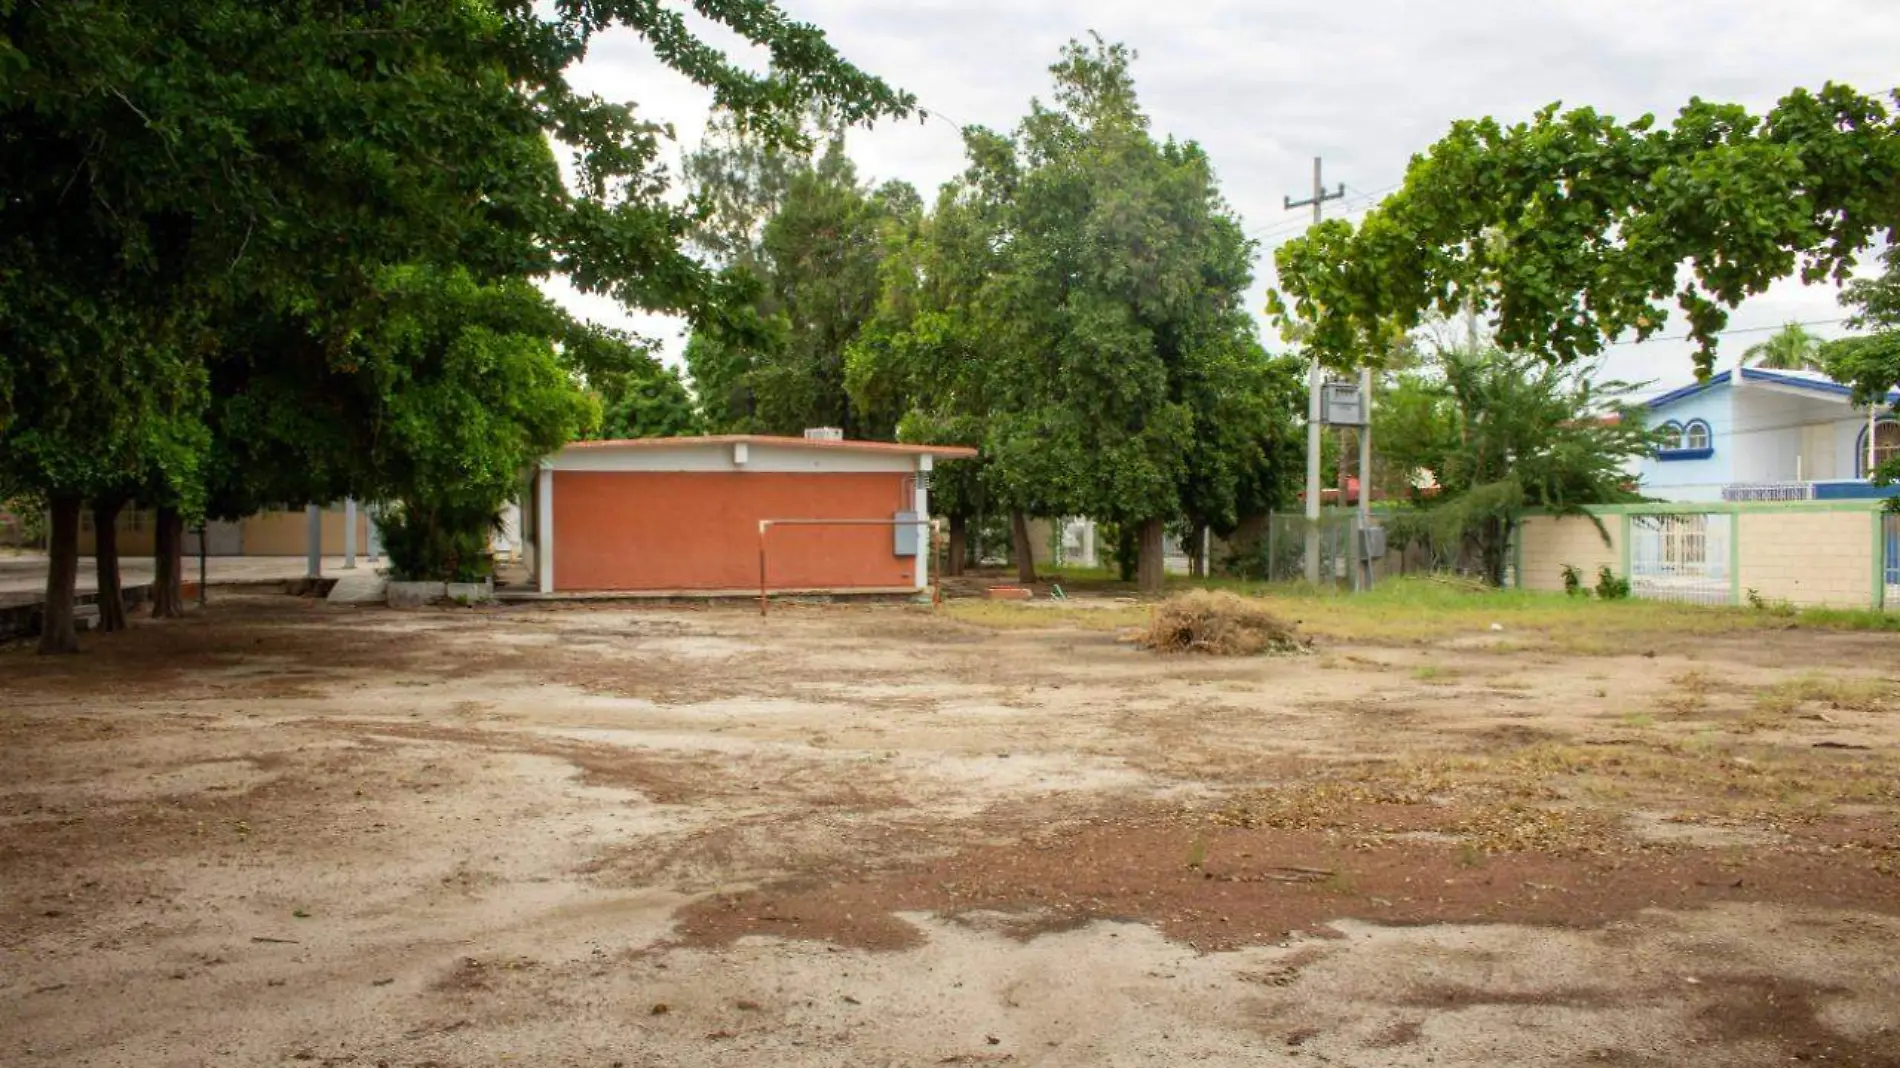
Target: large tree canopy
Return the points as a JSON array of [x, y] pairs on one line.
[[806, 238], [204, 201], [1121, 295], [1573, 228]]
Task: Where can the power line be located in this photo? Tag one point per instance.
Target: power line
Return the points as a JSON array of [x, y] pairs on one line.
[[1357, 202], [1733, 330]]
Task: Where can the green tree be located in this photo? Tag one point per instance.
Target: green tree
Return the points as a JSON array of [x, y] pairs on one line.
[[649, 404], [1792, 348], [924, 360], [814, 276], [260, 182], [1871, 363], [1124, 280], [1502, 434], [1573, 228]]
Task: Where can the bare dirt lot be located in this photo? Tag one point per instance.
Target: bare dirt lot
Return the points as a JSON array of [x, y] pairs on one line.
[[283, 832]]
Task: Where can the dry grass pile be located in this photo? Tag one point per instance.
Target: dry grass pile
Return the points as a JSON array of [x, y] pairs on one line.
[[1220, 623]]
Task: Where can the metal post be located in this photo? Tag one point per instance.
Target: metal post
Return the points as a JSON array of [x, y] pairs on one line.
[[1365, 472], [313, 539], [1873, 429], [920, 503], [349, 533]]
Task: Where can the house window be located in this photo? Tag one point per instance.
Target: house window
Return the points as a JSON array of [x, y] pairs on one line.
[[1691, 441], [132, 520], [1886, 445]]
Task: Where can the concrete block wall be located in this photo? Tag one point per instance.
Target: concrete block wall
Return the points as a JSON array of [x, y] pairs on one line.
[[1548, 543], [1809, 558]]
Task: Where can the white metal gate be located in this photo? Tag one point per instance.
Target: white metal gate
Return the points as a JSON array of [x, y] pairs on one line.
[[1681, 557]]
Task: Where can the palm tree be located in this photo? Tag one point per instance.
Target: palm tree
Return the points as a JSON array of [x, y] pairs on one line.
[[1792, 348]]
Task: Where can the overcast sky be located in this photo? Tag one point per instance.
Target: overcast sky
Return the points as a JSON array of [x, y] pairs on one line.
[[1266, 87]]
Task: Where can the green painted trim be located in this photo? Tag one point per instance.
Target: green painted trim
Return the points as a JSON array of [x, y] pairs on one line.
[[1735, 560], [1625, 545], [1727, 507]]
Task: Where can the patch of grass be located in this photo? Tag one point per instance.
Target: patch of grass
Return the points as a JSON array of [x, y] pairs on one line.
[[1689, 696], [1197, 854], [1424, 609], [1639, 720], [1854, 694], [1434, 673]]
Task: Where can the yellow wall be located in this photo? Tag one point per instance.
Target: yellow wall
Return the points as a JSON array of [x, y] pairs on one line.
[[1549, 544], [273, 533], [136, 533], [1809, 558], [283, 533]]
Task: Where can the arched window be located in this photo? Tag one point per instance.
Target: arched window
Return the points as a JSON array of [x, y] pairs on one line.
[[1672, 435], [1886, 445], [1696, 435]]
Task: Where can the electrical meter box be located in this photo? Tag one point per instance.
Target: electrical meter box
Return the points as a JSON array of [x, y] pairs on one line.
[[1341, 404], [1372, 543], [906, 535]]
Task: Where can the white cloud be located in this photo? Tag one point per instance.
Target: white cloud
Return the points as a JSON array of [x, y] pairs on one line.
[[1364, 83]]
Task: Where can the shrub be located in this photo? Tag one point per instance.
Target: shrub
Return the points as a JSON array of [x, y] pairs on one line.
[[1219, 623], [439, 544], [1573, 582], [1609, 587]]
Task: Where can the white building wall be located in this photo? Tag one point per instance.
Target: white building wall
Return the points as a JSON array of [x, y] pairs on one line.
[[729, 456]]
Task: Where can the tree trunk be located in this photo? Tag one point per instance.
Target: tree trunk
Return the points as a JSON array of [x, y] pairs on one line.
[[1492, 548], [1125, 553], [1197, 551], [62, 571], [168, 600], [105, 551], [1151, 578], [1020, 548], [954, 553]]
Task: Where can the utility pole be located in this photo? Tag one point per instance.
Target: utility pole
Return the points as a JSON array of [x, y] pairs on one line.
[[1317, 200]]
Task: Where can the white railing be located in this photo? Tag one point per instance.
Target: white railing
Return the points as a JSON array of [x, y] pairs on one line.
[[1768, 491]]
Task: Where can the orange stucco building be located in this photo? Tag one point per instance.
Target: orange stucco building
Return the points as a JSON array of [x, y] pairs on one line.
[[683, 515]]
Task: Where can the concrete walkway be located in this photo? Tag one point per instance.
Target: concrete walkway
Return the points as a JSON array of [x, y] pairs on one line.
[[23, 576]]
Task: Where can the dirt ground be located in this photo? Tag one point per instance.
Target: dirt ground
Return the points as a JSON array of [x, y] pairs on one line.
[[282, 832]]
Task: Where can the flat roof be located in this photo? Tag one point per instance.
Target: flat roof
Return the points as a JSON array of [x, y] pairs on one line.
[[1810, 381], [947, 452]]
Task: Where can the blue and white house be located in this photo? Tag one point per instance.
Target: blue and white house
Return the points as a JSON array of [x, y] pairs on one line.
[[1751, 434]]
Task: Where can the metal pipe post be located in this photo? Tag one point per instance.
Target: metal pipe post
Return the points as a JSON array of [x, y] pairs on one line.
[[1365, 474], [1312, 472], [313, 539]]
